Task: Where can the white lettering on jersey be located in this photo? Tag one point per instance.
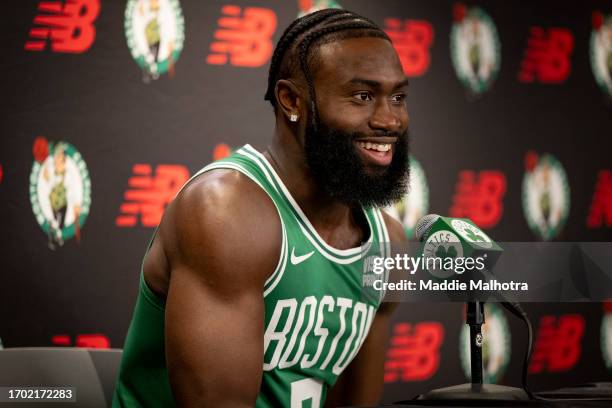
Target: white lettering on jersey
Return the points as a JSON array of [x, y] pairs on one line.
[[311, 302], [358, 310], [308, 322], [344, 304], [319, 331], [279, 336]]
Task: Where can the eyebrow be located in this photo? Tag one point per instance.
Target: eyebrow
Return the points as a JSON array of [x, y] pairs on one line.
[[375, 84]]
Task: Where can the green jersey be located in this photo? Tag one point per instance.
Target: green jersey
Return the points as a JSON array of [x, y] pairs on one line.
[[319, 305]]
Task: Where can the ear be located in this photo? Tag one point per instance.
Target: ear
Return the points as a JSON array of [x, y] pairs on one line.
[[289, 99]]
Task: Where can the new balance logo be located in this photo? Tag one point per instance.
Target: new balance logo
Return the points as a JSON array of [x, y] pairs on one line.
[[547, 57], [600, 213], [414, 352], [148, 195], [70, 27], [299, 259], [243, 40], [558, 344], [412, 40], [480, 197], [99, 341]]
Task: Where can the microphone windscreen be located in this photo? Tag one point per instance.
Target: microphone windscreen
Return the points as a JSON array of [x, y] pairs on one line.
[[424, 224]]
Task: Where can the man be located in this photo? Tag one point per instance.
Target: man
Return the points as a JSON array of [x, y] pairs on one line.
[[251, 291]]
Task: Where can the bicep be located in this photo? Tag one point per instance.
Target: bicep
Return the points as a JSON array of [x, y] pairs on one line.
[[214, 343], [219, 256]]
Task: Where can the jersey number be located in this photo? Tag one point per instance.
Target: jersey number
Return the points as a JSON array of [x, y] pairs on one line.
[[304, 390]]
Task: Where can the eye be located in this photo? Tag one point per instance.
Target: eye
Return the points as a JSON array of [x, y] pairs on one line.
[[399, 98], [363, 96]]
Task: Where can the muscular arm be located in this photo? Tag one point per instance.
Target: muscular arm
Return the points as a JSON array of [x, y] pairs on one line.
[[362, 381], [219, 253]]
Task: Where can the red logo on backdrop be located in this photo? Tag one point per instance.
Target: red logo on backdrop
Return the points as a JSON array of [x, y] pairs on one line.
[[547, 57], [601, 208], [412, 40], [245, 40], [221, 151], [148, 194], [414, 352], [99, 341], [69, 26], [480, 197], [1, 173], [558, 344]]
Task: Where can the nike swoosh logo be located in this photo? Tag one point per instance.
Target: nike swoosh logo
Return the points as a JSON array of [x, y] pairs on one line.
[[299, 259]]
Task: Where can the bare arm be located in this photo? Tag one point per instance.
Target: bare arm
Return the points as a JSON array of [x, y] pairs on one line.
[[362, 381], [220, 254]]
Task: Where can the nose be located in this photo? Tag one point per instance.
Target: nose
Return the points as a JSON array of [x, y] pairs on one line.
[[383, 118]]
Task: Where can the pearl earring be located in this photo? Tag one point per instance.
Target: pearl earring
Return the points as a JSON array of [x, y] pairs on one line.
[[293, 117]]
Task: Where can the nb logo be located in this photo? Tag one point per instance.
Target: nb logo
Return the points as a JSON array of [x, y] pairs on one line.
[[148, 193], [69, 26], [244, 38], [299, 259]]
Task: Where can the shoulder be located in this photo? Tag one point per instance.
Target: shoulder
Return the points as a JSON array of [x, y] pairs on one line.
[[395, 228], [223, 220]]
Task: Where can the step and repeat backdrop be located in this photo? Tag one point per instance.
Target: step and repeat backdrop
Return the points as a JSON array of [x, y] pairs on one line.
[[109, 106]]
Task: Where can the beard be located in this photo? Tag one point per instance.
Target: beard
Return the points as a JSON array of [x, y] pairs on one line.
[[338, 169]]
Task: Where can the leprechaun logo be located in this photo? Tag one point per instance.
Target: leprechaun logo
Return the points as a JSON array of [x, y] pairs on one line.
[[546, 195], [415, 203], [441, 244], [310, 6], [601, 51], [155, 31], [60, 190], [472, 233], [475, 48], [495, 346]]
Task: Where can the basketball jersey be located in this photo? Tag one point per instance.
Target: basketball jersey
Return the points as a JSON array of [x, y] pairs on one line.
[[319, 306]]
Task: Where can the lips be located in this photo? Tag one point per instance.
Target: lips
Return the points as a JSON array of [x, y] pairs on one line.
[[376, 151]]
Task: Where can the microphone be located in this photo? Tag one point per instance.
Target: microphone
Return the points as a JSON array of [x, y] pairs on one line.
[[445, 237], [466, 239]]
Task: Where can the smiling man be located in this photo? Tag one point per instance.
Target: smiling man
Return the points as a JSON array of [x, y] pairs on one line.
[[252, 291]]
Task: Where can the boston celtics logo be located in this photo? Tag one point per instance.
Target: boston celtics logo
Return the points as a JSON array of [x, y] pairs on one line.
[[606, 335], [310, 6], [415, 203], [475, 48], [601, 51], [546, 195], [60, 190], [441, 244], [495, 345], [155, 34], [471, 233]]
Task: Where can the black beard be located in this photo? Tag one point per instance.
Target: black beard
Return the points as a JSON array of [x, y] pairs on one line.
[[338, 168]]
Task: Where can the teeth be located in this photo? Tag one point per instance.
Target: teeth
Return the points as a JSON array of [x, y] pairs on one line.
[[381, 147]]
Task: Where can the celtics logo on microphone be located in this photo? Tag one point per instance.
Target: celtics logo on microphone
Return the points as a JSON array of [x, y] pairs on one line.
[[496, 349], [60, 190], [415, 203], [155, 31], [601, 51], [546, 195], [475, 48]]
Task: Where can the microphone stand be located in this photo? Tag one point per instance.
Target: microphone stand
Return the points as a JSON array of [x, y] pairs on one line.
[[476, 390]]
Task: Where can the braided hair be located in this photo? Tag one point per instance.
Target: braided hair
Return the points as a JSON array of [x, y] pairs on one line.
[[292, 51]]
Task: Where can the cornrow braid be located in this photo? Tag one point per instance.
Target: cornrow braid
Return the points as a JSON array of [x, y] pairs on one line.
[[297, 27], [313, 28]]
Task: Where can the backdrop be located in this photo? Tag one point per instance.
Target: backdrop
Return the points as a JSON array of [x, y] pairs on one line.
[[109, 106]]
